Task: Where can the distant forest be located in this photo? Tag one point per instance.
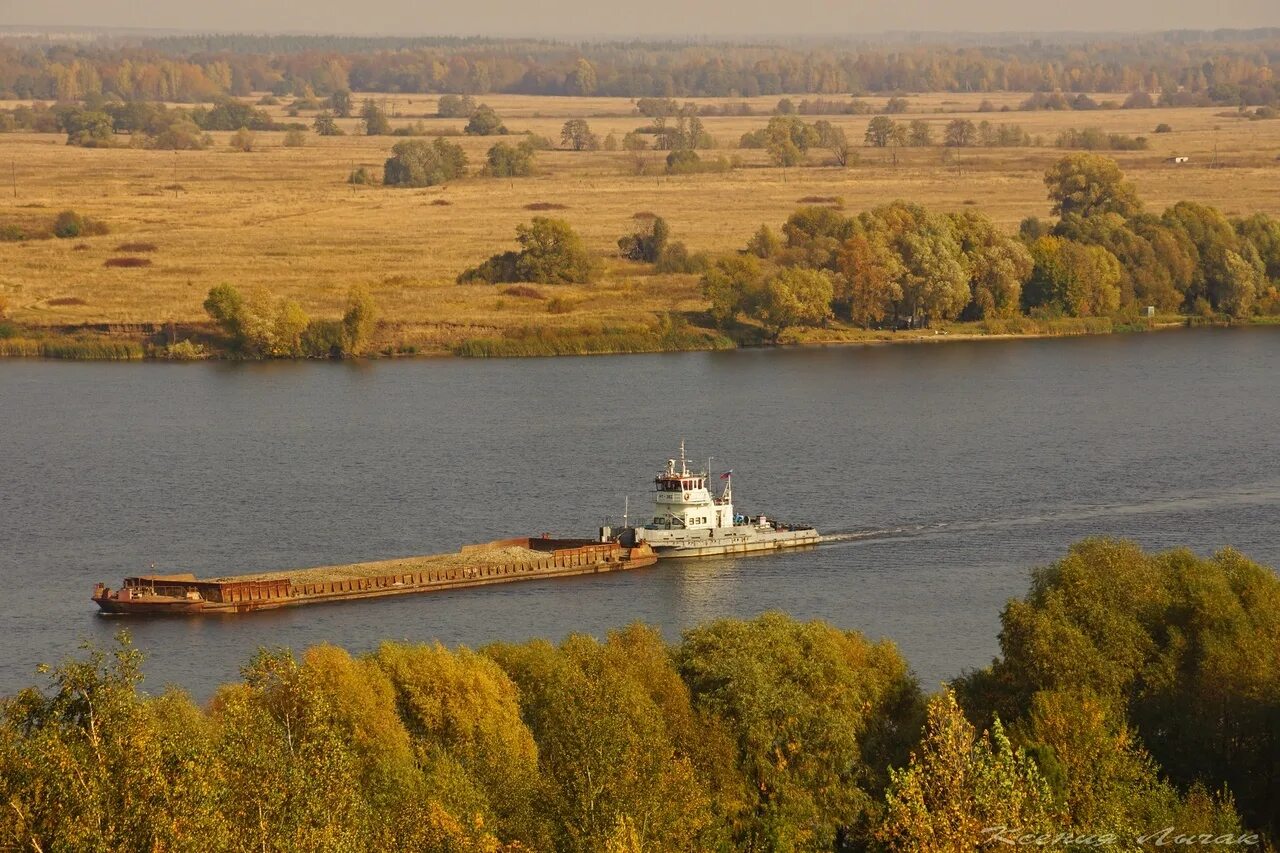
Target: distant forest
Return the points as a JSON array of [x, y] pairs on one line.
[[1176, 68]]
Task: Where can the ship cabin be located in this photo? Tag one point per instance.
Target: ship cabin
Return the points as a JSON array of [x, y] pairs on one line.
[[683, 501]]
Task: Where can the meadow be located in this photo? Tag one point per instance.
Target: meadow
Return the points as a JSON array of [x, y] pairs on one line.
[[286, 219]]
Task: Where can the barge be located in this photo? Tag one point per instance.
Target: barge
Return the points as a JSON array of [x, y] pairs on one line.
[[503, 561], [689, 520]]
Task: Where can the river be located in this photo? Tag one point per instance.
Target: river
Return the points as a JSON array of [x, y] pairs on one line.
[[960, 465]]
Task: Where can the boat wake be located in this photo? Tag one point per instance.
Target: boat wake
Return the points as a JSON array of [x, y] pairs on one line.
[[1263, 494]]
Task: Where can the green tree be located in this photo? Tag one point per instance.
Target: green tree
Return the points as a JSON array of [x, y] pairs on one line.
[[731, 285], [1080, 280], [880, 131], [793, 296], [374, 119], [340, 103], [419, 163], [505, 160], [647, 242], [817, 716], [485, 122], [552, 252], [1089, 184], [325, 125], [960, 133], [455, 106], [787, 138], [998, 266], [920, 134], [576, 134], [962, 792], [833, 138]]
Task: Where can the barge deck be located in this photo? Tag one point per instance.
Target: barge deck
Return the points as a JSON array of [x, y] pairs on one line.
[[503, 561]]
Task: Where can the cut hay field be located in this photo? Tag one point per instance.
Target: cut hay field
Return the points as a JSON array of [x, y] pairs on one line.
[[286, 220]]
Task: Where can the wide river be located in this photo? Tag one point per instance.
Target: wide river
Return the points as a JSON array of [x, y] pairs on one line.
[[964, 464]]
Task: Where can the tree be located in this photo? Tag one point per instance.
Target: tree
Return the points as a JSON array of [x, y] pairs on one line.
[[787, 138], [485, 122], [505, 160], [419, 163], [1080, 280], [1089, 184], [683, 161], [455, 106], [834, 140], [242, 140], [576, 134], [294, 138], [962, 792], [551, 252], [816, 715], [960, 133], [581, 80], [793, 296], [880, 131], [920, 134], [340, 103], [731, 286], [374, 119], [648, 241], [869, 279], [998, 266], [359, 320], [324, 125], [933, 276]]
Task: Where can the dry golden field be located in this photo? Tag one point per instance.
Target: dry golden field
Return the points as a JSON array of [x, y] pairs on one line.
[[285, 219]]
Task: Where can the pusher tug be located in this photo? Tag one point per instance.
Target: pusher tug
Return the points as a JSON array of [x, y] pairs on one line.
[[690, 521]]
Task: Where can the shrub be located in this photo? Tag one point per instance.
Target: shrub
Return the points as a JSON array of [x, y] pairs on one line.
[[675, 258], [127, 262], [1162, 127], [485, 122], [361, 175], [295, 138], [182, 135], [418, 163], [684, 161], [522, 290], [455, 106], [242, 140], [647, 242], [69, 224], [185, 350], [551, 252], [324, 339], [359, 321]]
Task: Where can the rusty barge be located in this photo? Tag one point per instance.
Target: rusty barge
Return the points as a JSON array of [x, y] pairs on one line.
[[503, 561]]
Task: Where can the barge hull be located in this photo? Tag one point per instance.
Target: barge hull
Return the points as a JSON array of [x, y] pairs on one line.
[[157, 595]]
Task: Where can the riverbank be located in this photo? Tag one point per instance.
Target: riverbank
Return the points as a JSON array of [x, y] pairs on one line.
[[147, 341]]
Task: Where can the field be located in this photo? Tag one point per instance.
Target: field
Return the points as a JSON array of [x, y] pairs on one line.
[[285, 219]]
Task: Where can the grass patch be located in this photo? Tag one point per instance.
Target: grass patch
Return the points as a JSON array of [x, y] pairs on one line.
[[136, 247], [127, 262], [65, 300], [440, 202], [530, 342], [546, 205], [821, 199], [80, 349]]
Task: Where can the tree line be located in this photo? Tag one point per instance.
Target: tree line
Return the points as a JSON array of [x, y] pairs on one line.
[[1136, 698], [901, 263], [1224, 67]]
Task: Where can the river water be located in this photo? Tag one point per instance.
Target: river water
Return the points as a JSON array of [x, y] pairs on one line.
[[960, 466]]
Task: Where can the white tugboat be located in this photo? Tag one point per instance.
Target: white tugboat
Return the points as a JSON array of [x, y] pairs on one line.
[[690, 521]]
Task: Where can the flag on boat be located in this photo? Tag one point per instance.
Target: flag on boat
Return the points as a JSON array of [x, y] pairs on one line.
[[726, 475]]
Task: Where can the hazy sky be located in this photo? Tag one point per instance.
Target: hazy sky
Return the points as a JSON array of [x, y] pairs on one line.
[[645, 17]]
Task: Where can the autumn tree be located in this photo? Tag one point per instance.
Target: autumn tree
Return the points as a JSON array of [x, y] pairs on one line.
[[869, 280], [505, 160], [997, 266], [374, 119], [880, 131], [576, 134], [960, 133], [1089, 184]]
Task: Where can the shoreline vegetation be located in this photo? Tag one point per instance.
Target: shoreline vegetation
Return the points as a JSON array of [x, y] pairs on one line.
[[97, 342], [1132, 698]]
